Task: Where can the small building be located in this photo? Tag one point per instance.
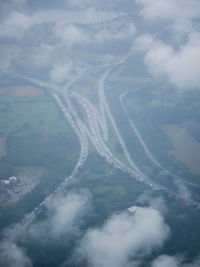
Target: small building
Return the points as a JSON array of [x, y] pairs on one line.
[[133, 209], [5, 182], [13, 180]]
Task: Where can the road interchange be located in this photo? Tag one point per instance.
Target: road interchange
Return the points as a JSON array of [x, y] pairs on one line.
[[95, 129]]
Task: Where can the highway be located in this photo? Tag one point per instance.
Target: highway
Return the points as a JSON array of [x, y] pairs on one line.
[[112, 120], [140, 139], [95, 129], [92, 130]]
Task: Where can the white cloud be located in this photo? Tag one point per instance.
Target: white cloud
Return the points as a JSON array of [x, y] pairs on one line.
[[18, 2], [12, 255], [42, 55], [6, 7], [63, 217], [173, 261], [8, 53], [124, 236], [165, 261], [66, 25], [180, 66], [80, 3], [183, 67], [15, 24], [105, 34], [62, 73], [157, 54], [88, 16], [179, 12], [37, 57], [72, 34]]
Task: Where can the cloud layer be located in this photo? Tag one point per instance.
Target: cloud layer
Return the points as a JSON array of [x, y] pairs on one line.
[[12, 255], [176, 261], [123, 237], [179, 66], [63, 219], [180, 13]]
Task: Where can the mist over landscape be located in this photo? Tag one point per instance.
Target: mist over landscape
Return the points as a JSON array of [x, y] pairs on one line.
[[100, 133]]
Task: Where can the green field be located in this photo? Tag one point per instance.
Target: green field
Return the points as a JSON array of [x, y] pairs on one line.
[[37, 136], [111, 189], [23, 116]]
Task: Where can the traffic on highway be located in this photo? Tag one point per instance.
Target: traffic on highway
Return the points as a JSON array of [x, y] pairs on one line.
[[95, 129]]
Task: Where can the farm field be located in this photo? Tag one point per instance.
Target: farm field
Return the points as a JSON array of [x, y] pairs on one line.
[[186, 148], [25, 114], [34, 136]]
